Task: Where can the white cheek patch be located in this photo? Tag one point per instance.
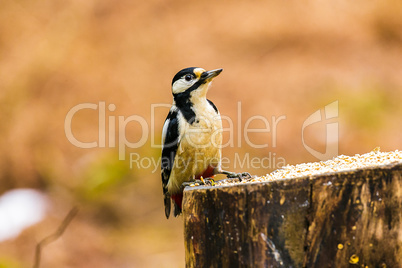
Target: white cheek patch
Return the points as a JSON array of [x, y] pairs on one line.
[[181, 85]]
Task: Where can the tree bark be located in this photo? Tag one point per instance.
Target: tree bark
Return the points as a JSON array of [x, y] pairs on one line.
[[345, 219]]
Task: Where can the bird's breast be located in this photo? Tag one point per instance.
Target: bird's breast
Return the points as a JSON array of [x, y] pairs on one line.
[[199, 148], [205, 131]]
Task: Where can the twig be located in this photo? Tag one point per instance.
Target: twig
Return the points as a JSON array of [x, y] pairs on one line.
[[49, 239]]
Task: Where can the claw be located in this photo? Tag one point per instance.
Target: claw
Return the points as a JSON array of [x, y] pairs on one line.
[[240, 176], [189, 183], [209, 181], [201, 181]]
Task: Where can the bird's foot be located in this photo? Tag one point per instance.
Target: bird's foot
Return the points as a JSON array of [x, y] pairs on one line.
[[201, 181], [189, 183], [240, 176]]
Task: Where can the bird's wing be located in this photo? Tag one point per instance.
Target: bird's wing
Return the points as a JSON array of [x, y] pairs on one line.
[[170, 143], [213, 106]]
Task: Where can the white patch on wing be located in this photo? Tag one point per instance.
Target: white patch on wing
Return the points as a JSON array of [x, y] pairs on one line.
[[164, 131], [167, 122]]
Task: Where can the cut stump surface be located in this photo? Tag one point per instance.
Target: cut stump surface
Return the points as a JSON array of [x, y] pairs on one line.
[[349, 218]]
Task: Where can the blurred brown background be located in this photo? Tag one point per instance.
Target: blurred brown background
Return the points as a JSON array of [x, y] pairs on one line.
[[279, 58]]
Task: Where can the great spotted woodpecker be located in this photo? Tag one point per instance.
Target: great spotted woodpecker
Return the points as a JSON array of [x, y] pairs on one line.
[[191, 137]]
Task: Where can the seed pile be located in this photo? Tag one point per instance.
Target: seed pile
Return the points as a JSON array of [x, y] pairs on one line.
[[374, 158]]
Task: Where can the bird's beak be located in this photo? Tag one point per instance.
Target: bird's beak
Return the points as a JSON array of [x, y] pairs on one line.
[[209, 75]]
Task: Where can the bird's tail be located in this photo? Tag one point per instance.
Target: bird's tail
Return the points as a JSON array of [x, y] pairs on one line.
[[166, 200]]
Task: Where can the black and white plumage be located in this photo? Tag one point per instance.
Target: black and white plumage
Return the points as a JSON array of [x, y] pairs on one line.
[[191, 137]]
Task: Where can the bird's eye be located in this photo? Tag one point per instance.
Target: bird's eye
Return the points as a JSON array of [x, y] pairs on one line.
[[188, 77]]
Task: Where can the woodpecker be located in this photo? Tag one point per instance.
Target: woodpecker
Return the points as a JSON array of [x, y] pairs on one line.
[[191, 136]]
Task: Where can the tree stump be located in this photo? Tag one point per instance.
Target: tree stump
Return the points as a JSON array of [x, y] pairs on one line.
[[339, 219]]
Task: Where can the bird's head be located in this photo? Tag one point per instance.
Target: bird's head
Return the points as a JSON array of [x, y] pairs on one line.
[[193, 79]]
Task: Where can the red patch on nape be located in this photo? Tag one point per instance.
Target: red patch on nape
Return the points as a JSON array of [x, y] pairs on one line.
[[178, 199], [208, 173]]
